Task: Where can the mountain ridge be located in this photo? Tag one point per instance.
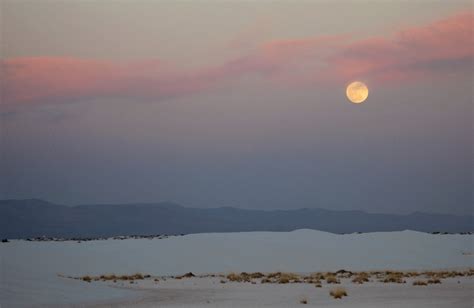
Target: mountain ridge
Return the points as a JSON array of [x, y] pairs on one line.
[[36, 217]]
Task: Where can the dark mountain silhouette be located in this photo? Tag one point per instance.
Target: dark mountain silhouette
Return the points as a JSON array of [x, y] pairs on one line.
[[33, 217]]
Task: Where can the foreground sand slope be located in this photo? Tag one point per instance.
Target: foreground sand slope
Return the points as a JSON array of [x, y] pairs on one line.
[[210, 292]]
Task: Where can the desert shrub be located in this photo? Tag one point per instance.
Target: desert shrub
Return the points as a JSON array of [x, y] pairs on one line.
[[361, 278], [274, 275], [344, 274], [420, 283], [108, 277], [233, 277], [338, 292], [283, 280], [137, 276], [256, 275], [332, 279], [317, 276], [394, 278], [236, 277], [188, 275], [412, 274], [266, 280], [434, 281]]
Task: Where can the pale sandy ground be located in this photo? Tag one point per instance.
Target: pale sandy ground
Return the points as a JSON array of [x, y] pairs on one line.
[[209, 292]]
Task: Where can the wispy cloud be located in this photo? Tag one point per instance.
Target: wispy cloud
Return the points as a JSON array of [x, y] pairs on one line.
[[431, 51], [427, 52], [56, 79]]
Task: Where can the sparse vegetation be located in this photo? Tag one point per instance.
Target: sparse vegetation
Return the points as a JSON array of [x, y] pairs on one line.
[[257, 275], [238, 277], [108, 277], [113, 277], [420, 283], [393, 277], [361, 277], [266, 280], [332, 279], [434, 281], [187, 275], [432, 277], [338, 292]]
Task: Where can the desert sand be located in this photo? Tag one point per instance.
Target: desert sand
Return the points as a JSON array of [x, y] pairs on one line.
[[210, 292]]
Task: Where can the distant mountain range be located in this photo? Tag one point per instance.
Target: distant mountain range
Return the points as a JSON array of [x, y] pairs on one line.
[[33, 218]]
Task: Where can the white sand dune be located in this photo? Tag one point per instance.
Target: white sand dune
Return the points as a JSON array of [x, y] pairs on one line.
[[29, 269]]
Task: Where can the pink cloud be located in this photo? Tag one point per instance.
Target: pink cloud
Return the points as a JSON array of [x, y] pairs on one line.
[[418, 53], [52, 79], [414, 53]]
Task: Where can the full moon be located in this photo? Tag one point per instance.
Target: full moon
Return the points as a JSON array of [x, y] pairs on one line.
[[357, 92]]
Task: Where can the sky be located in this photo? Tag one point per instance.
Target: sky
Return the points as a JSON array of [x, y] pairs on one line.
[[239, 103]]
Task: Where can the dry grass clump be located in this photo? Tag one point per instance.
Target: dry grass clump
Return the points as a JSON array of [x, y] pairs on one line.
[[108, 277], [344, 274], [256, 275], [394, 277], [279, 277], [314, 278], [361, 277], [137, 276], [234, 277], [243, 277], [446, 274], [332, 279], [274, 275], [187, 275], [318, 276], [412, 274], [114, 278], [283, 280], [434, 281], [338, 292], [420, 283]]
